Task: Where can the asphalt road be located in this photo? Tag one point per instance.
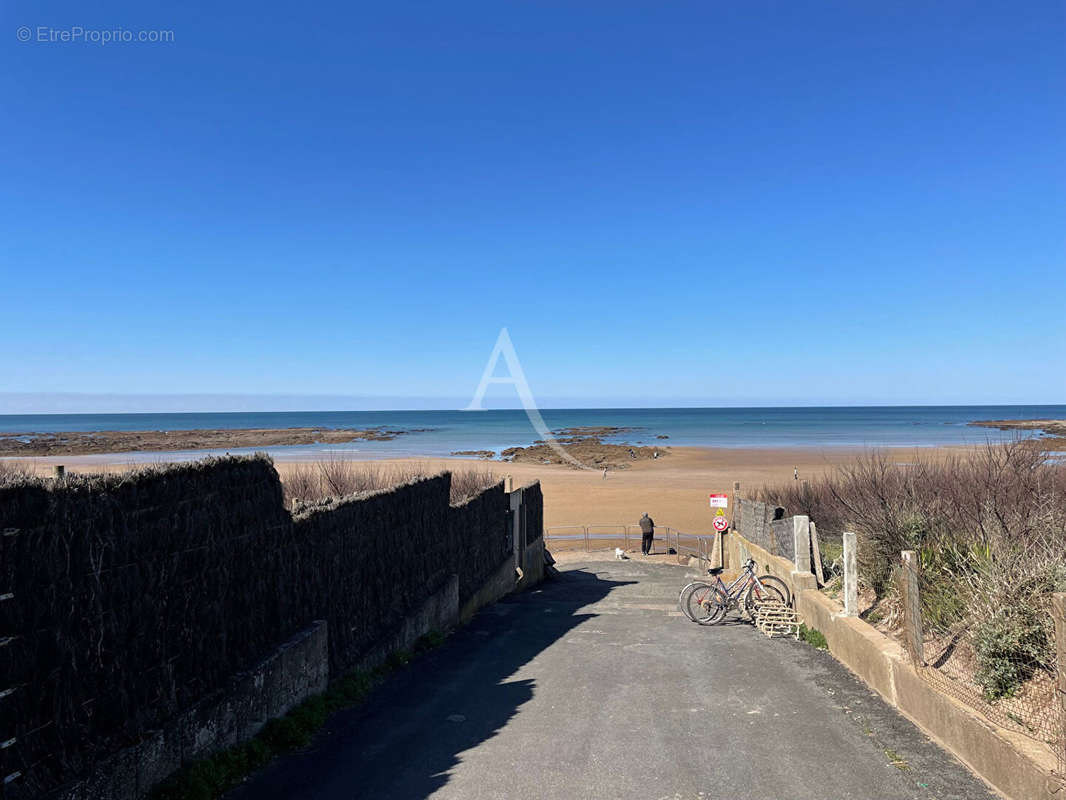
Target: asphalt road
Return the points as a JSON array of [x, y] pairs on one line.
[[593, 686]]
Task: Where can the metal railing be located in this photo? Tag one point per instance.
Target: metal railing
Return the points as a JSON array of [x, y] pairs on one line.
[[604, 536]]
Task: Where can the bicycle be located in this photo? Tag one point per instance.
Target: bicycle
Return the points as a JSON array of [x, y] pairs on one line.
[[708, 603]]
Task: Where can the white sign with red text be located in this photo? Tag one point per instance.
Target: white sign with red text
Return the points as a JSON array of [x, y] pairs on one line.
[[719, 501]]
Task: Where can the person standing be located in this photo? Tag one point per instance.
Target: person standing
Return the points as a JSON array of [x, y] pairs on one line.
[[647, 533]]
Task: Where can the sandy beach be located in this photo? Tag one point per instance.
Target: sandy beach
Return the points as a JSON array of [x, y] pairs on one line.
[[673, 490]]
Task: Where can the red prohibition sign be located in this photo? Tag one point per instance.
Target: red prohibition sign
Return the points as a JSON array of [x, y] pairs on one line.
[[720, 524]]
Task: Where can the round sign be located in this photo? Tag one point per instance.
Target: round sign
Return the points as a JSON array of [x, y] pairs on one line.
[[720, 524]]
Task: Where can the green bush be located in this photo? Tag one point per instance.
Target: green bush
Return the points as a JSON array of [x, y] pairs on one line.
[[813, 637], [941, 580], [832, 551], [1009, 648]]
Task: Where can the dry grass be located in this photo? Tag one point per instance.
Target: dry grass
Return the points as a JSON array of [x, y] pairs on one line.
[[336, 478], [469, 483], [990, 532], [11, 471], [1003, 504]]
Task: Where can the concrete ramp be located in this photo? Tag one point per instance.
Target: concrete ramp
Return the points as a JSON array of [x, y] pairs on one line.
[[594, 686]]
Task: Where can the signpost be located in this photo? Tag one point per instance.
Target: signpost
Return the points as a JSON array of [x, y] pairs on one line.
[[720, 502], [721, 522]]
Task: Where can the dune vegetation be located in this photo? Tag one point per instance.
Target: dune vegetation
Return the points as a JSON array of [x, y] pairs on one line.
[[989, 528]]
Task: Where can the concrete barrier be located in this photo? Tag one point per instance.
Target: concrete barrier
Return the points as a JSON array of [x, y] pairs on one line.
[[1019, 767], [438, 612], [296, 670], [502, 582], [531, 571]]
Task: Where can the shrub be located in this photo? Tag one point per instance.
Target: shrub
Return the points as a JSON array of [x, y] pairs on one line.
[[14, 471], [813, 637], [468, 483], [1002, 503], [1009, 648], [989, 528]]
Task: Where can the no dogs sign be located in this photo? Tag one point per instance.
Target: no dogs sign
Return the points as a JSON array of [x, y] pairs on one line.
[[720, 524], [719, 501]]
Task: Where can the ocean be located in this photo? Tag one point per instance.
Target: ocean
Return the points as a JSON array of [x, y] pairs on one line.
[[440, 433]]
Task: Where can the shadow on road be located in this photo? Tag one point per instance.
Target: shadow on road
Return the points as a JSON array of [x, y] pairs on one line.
[[405, 739]]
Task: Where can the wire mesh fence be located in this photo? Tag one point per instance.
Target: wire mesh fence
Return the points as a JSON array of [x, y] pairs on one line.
[[1000, 661], [1058, 610]]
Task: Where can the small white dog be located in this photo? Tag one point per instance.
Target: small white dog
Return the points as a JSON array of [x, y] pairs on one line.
[[619, 553]]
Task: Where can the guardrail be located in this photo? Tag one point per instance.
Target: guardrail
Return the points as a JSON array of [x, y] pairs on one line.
[[603, 536]]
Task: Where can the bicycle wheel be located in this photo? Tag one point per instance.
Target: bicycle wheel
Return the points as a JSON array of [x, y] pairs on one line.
[[768, 589], [782, 587], [707, 604], [682, 598]]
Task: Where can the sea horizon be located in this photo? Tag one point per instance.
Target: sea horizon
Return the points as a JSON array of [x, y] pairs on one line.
[[441, 433]]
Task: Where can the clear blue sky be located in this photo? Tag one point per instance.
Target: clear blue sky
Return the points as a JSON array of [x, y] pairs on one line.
[[710, 202]]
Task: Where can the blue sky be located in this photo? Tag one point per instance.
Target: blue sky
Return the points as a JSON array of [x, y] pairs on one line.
[[686, 202]]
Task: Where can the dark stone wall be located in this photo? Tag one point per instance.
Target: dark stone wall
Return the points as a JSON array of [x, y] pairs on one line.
[[754, 520], [133, 597], [533, 507], [479, 555], [366, 562]]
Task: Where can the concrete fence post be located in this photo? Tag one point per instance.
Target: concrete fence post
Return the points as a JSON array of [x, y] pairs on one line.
[[912, 608], [1058, 612], [518, 543], [801, 540], [736, 505], [851, 577], [816, 555]]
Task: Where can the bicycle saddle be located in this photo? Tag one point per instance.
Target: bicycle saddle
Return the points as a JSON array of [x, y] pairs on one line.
[[716, 571]]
